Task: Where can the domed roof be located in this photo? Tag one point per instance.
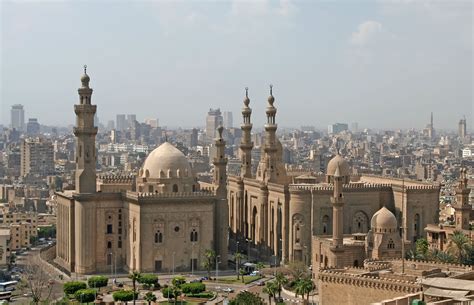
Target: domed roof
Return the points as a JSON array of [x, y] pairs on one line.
[[384, 219], [85, 79], [338, 165], [166, 158]]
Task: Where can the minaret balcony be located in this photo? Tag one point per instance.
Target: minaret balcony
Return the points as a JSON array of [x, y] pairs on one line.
[[85, 131], [85, 108]]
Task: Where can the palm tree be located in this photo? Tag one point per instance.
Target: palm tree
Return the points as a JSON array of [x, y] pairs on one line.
[[280, 280], [209, 262], [459, 242], [271, 288], [238, 258], [135, 277], [304, 287], [242, 273], [150, 297]]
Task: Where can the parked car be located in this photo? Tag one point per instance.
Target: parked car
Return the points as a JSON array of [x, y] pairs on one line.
[[227, 289], [260, 283], [254, 273], [205, 278]]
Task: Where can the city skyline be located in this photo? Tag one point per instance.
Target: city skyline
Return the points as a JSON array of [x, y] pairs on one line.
[[365, 62]]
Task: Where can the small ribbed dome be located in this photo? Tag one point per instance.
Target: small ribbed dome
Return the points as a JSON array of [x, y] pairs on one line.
[[85, 79], [384, 219], [338, 162], [166, 161]]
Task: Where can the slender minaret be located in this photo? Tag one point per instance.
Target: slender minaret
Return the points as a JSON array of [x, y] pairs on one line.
[[222, 210], [85, 133], [246, 143], [462, 208], [267, 168], [337, 210]]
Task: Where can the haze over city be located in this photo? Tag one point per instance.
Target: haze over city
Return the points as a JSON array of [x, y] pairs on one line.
[[383, 64]]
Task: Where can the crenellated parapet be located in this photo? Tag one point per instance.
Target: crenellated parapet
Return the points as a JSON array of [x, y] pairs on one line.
[[117, 179], [441, 265], [351, 187], [178, 195], [367, 281], [376, 265]]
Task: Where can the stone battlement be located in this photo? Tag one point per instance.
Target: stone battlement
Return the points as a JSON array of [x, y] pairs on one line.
[[346, 187], [368, 281], [435, 264], [151, 196], [122, 179]]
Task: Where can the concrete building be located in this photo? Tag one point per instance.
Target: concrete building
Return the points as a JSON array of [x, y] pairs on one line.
[[228, 119], [37, 157], [4, 246], [17, 117], [462, 126], [32, 127], [121, 122], [164, 220], [337, 128], [213, 120]]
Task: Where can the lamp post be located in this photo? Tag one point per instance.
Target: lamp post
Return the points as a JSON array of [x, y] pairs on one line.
[[237, 261], [111, 264], [173, 262], [217, 266], [192, 259], [248, 248]]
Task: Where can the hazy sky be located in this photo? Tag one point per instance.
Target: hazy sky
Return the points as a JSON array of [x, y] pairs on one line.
[[383, 64]]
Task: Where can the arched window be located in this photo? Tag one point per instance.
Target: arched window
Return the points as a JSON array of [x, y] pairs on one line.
[[325, 224], [194, 235], [158, 237], [175, 188], [109, 245], [150, 189], [360, 223], [391, 244]]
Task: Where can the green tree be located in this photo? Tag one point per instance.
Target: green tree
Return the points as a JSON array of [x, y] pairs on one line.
[[298, 270], [171, 292], [259, 266], [247, 298], [124, 295], [85, 295], [271, 288], [208, 263], [242, 273], [148, 280], [193, 288], [280, 280], [70, 288], [135, 277], [150, 297], [304, 287], [421, 248], [97, 281], [238, 260], [459, 242]]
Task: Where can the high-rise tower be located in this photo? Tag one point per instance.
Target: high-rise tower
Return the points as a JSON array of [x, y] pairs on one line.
[[85, 133], [222, 210], [462, 128], [462, 208], [246, 143]]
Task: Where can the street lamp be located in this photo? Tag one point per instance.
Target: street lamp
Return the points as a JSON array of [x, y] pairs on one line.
[[192, 258], [237, 260], [217, 265], [248, 247], [173, 262]]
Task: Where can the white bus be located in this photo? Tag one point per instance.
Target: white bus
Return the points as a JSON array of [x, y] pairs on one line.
[[8, 286]]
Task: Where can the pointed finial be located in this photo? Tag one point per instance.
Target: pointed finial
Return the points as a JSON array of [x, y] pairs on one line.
[[271, 99], [271, 89], [85, 69], [246, 100], [246, 91]]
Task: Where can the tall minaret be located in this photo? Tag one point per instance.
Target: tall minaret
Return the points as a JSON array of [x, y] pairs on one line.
[[85, 133], [337, 210], [221, 210], [462, 207], [246, 143], [267, 168]]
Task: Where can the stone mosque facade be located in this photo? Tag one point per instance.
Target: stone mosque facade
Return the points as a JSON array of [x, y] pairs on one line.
[[338, 222], [163, 219], [159, 221]]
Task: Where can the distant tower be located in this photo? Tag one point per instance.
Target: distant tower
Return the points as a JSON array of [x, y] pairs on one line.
[[85, 133], [431, 128], [222, 213], [337, 209], [462, 207], [246, 143], [462, 128], [17, 118]]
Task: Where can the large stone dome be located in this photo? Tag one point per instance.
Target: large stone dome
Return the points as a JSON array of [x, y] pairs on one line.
[[338, 161], [384, 220], [166, 161]]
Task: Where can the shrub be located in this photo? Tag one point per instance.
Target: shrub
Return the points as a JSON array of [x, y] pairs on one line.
[[202, 295], [148, 280], [124, 295], [97, 281], [193, 288], [85, 295], [178, 280], [170, 292], [72, 287]]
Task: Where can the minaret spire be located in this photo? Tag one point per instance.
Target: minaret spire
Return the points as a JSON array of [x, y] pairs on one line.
[[246, 143], [85, 133], [337, 210], [462, 208]]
